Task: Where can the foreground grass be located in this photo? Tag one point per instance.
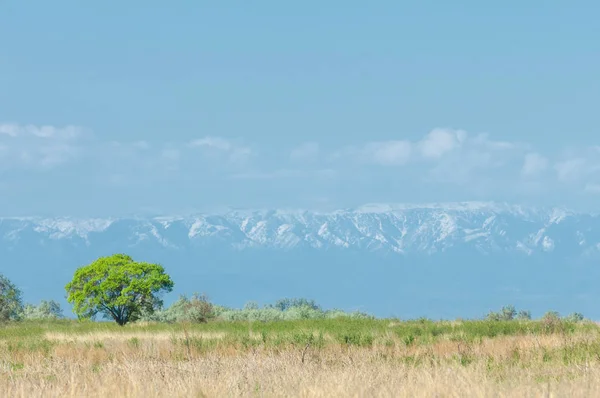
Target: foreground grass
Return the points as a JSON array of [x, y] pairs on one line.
[[338, 357]]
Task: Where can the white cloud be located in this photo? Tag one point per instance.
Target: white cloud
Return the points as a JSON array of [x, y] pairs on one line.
[[212, 142], [534, 164], [49, 132], [286, 173], [145, 162], [240, 155], [483, 140], [578, 167], [444, 155], [171, 154], [235, 153], [440, 145], [54, 155], [384, 153], [39, 147], [469, 162], [170, 158], [389, 153], [307, 152], [464, 168], [11, 130], [142, 145], [441, 141], [570, 170]]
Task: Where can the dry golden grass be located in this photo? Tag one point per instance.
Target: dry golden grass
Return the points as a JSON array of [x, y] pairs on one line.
[[139, 363], [141, 335]]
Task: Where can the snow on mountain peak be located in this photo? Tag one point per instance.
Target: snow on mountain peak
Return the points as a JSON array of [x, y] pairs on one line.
[[400, 228], [65, 227]]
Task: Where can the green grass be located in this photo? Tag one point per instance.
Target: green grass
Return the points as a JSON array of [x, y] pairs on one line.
[[345, 331]]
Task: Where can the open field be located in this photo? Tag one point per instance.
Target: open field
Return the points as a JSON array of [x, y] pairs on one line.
[[328, 358]]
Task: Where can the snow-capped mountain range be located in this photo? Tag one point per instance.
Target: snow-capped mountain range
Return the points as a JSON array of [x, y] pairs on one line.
[[430, 228], [437, 260]]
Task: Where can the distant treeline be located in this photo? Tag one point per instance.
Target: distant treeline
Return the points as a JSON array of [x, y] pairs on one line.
[[198, 309], [119, 288]]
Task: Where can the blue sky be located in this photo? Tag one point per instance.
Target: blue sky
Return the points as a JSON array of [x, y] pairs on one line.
[[111, 108]]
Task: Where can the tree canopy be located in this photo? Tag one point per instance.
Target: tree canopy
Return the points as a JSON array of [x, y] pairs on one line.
[[118, 288], [11, 302]]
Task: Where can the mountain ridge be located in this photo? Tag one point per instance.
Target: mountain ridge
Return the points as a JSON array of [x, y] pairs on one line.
[[487, 227], [437, 260]]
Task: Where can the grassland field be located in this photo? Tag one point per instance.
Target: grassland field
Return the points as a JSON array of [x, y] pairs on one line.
[[306, 358]]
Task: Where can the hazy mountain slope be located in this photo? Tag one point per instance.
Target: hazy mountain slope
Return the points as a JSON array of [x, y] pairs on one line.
[[483, 227], [436, 260]]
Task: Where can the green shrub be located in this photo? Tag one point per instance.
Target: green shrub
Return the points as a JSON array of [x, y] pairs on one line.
[[303, 312], [524, 315], [509, 313], [46, 310], [197, 309], [285, 310], [574, 317], [287, 303], [551, 322], [251, 305], [261, 314]]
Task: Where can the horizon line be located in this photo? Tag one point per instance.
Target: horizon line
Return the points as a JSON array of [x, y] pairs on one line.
[[366, 208]]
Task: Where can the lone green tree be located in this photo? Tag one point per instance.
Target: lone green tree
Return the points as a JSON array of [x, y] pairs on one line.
[[118, 288], [11, 302]]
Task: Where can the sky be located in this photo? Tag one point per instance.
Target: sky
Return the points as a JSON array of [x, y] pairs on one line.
[[114, 108]]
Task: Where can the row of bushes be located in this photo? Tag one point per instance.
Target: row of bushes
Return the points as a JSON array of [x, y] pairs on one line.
[[509, 313], [199, 309]]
